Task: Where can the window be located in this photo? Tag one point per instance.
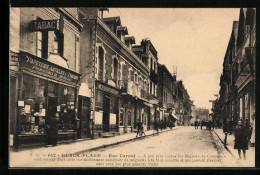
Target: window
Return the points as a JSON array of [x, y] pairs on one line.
[[136, 79], [140, 83], [131, 75], [115, 70], [42, 44], [101, 63], [128, 118], [39, 44], [151, 87], [121, 118], [58, 42]]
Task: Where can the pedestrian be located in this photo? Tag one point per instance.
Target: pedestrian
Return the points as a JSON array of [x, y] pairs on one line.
[[225, 130], [156, 126], [241, 142], [201, 123], [210, 125], [248, 130], [52, 130], [140, 129], [196, 123]]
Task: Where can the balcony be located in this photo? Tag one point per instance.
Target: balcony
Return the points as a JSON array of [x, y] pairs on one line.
[[144, 94], [133, 89]]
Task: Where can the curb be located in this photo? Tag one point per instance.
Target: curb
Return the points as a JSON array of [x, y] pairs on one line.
[[224, 144], [120, 142]]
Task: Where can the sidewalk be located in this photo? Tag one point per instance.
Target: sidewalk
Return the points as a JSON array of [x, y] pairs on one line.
[[250, 153], [79, 146]]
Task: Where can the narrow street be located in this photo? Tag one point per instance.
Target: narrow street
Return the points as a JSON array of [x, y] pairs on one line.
[[183, 146], [195, 146]]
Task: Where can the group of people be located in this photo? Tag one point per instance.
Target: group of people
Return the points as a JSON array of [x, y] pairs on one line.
[[156, 126]]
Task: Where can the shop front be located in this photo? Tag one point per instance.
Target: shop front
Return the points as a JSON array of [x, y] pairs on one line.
[[106, 110], [46, 91]]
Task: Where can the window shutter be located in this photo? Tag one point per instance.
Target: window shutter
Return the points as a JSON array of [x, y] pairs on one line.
[[132, 75], [124, 73], [119, 71]]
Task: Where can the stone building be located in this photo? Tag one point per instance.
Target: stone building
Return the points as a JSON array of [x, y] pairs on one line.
[[114, 78], [148, 55], [166, 92], [44, 73], [237, 82]]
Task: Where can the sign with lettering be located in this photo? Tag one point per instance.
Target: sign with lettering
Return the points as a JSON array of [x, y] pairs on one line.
[[107, 89], [32, 64], [14, 63], [44, 25]]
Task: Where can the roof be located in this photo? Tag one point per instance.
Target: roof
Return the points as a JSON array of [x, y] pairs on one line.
[[123, 29], [131, 39], [111, 19]]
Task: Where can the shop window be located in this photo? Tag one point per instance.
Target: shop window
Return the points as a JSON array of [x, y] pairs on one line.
[[32, 120], [43, 101]]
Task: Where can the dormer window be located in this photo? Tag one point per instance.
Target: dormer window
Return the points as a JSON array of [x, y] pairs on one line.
[[121, 32]]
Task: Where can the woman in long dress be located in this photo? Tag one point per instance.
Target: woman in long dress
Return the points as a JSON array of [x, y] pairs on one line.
[[241, 141]]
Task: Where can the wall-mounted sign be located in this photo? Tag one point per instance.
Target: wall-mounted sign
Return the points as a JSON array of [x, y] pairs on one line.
[[107, 89], [45, 68], [44, 25]]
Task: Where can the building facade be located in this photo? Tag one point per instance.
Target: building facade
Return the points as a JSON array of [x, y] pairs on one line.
[[237, 82], [44, 73], [166, 92], [114, 77]]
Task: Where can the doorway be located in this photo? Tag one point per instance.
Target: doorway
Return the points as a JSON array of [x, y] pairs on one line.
[[106, 107], [52, 106], [84, 116]]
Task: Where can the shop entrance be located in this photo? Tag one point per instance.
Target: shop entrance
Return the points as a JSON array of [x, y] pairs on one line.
[[84, 116], [106, 107], [52, 106]]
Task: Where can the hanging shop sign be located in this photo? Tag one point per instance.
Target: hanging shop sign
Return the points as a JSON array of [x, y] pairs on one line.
[[32, 64], [44, 25], [107, 89]]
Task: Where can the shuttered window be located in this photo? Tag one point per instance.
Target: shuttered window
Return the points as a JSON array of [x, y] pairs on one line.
[[131, 75]]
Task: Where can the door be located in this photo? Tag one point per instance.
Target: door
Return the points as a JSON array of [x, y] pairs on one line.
[[52, 106], [84, 116], [106, 108]]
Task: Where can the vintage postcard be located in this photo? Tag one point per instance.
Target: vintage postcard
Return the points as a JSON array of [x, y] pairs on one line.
[[132, 87]]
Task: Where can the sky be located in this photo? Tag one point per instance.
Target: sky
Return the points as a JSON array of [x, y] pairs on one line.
[[194, 40]]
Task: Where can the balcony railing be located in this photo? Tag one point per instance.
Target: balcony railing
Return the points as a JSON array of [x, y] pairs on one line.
[[133, 89], [144, 94]]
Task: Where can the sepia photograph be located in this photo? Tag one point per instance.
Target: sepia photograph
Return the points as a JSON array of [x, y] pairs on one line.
[[132, 87]]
